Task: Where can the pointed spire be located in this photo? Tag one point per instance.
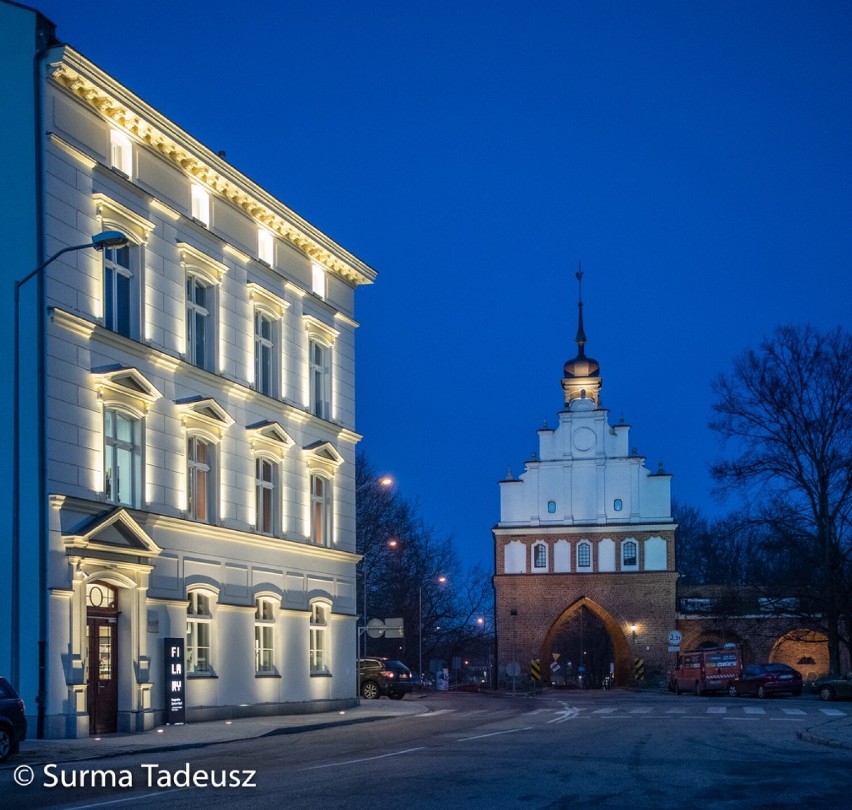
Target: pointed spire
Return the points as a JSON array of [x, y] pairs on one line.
[[581, 334]]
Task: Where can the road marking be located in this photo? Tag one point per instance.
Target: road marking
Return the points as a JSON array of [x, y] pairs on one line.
[[754, 710], [677, 711], [793, 711], [833, 712], [566, 713], [436, 713], [495, 734], [364, 759], [641, 711], [604, 711], [536, 711], [717, 709]]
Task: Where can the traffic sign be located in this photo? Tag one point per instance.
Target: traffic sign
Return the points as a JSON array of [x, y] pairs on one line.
[[675, 637]]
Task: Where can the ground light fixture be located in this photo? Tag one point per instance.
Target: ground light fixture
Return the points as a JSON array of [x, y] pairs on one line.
[[104, 239]]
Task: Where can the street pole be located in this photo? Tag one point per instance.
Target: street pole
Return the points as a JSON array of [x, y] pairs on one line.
[[98, 242]]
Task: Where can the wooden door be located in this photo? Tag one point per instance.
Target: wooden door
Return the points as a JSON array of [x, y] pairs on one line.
[[103, 681]]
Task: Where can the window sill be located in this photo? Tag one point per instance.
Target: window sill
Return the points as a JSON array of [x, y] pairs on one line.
[[267, 675], [201, 676], [321, 675]]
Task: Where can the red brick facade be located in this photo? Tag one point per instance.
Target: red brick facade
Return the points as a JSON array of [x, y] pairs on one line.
[[532, 607]]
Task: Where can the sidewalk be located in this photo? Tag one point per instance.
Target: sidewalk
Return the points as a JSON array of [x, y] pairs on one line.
[[836, 733], [197, 735]]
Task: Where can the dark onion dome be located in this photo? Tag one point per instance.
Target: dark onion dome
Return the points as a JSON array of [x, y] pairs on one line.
[[581, 366]]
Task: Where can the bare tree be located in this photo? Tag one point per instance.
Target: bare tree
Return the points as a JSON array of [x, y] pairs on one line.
[[407, 571], [785, 412]]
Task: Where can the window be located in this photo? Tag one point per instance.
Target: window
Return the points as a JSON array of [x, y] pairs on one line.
[[629, 555], [320, 510], [121, 152], [199, 476], [318, 280], [264, 354], [540, 556], [120, 294], [200, 206], [266, 499], [264, 627], [319, 641], [265, 246], [122, 458], [320, 371], [584, 555], [551, 507], [198, 621], [200, 306]]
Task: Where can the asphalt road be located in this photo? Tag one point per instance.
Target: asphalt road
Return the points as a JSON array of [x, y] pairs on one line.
[[567, 749]]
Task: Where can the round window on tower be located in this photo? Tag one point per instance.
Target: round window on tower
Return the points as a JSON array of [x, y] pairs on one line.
[[617, 505], [551, 507]]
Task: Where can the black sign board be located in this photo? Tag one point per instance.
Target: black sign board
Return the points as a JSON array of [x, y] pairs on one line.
[[175, 681]]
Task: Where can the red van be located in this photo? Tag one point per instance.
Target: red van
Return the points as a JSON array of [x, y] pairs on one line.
[[705, 671]]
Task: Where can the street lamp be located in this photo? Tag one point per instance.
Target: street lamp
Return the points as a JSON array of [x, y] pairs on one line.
[[99, 241], [441, 580], [383, 482]]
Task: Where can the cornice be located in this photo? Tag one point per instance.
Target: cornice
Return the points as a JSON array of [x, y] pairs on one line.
[[294, 547], [584, 529], [111, 100]]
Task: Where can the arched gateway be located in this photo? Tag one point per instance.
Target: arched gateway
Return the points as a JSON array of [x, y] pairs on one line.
[[585, 531]]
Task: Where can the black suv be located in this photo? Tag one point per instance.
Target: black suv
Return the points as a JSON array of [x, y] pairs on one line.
[[383, 676], [13, 721]]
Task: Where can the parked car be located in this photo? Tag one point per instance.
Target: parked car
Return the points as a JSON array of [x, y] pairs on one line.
[[764, 680], [384, 676], [13, 720], [707, 670], [835, 688]]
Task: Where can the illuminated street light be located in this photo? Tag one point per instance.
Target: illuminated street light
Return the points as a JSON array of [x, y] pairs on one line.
[[441, 581]]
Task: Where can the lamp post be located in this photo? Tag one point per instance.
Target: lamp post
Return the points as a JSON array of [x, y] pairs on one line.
[[383, 482], [99, 241], [441, 580]]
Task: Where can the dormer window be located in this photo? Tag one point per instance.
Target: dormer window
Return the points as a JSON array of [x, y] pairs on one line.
[[200, 205], [265, 246], [318, 281], [121, 152]]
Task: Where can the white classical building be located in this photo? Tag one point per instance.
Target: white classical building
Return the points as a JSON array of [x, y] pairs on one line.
[[186, 463]]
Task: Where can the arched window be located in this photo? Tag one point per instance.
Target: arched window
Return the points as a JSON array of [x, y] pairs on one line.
[[199, 620], [629, 554], [264, 636], [320, 642]]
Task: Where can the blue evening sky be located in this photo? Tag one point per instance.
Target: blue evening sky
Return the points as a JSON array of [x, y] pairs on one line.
[[695, 156]]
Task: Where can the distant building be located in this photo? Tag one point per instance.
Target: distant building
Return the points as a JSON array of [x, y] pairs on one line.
[[586, 526], [585, 564], [187, 453]]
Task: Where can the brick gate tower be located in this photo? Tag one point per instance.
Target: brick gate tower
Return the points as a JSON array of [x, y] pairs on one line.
[[586, 527]]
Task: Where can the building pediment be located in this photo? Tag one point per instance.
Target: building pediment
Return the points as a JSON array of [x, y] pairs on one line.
[[322, 454], [114, 531]]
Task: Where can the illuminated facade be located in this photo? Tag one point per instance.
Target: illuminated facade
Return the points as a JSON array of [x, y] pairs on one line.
[[586, 527], [197, 433]]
